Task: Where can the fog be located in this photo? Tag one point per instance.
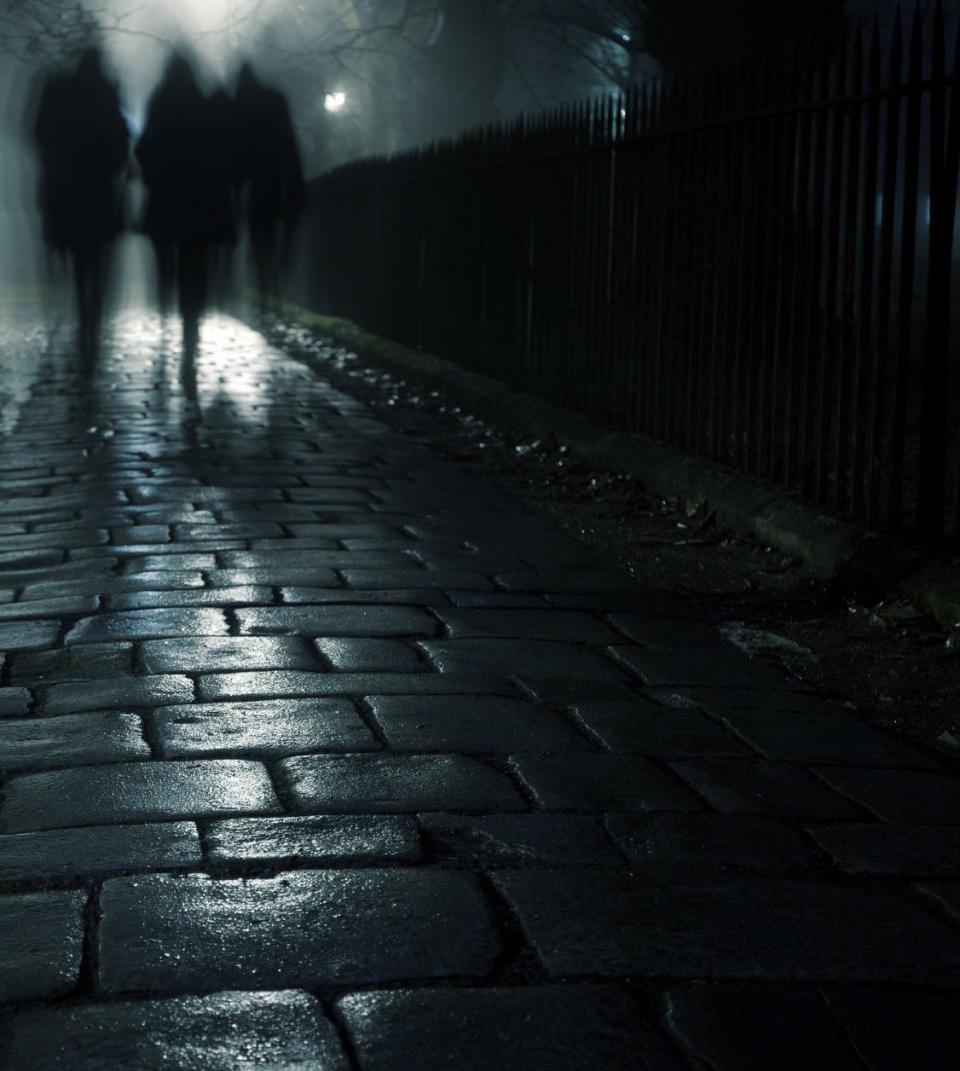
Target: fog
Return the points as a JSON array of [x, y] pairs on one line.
[[363, 77]]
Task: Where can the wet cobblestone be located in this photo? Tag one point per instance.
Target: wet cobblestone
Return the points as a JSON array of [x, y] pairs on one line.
[[318, 750]]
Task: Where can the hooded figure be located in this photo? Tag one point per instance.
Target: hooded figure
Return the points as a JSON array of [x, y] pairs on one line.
[[83, 146], [271, 174], [185, 199]]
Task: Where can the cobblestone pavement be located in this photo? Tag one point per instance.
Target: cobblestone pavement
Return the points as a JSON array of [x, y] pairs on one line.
[[319, 753]]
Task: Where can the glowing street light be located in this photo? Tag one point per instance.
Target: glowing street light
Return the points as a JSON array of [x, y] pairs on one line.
[[335, 101]]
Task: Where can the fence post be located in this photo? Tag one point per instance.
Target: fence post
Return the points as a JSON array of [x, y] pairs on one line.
[[936, 366], [908, 252]]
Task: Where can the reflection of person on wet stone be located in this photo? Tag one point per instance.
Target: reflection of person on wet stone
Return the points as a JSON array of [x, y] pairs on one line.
[[83, 146], [178, 155], [271, 174]]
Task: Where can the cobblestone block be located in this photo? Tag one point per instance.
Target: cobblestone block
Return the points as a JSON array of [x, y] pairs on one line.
[[918, 851], [376, 597], [275, 576], [496, 561], [480, 724], [337, 621], [683, 635], [52, 576], [73, 739], [664, 604], [515, 840], [219, 1032], [543, 624], [60, 502], [643, 727], [135, 792], [370, 656], [41, 935], [89, 661], [162, 514], [710, 845], [329, 496], [323, 927], [28, 635], [209, 495], [396, 541], [221, 532], [605, 922], [415, 578], [278, 512], [323, 840], [147, 625], [372, 529], [535, 658], [390, 784], [580, 581], [138, 534], [908, 796], [34, 558], [537, 1028], [600, 782], [740, 787], [566, 691], [205, 654], [291, 685], [14, 701], [822, 738], [720, 700], [495, 600], [160, 563], [751, 1029], [896, 1028], [59, 540], [313, 558], [37, 608], [81, 854], [212, 597], [119, 694], [113, 585], [365, 482], [728, 669], [280, 727], [289, 543]]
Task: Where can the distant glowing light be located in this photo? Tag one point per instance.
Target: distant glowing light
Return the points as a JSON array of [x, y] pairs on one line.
[[335, 101]]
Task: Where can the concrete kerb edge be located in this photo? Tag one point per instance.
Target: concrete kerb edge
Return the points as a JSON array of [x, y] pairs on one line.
[[829, 547]]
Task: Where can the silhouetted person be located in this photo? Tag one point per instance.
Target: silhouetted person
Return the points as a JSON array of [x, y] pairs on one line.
[[185, 199], [224, 151], [83, 146], [271, 175]]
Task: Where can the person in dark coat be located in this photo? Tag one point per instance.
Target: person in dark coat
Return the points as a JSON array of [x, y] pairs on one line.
[[188, 207], [83, 147], [271, 175], [225, 188]]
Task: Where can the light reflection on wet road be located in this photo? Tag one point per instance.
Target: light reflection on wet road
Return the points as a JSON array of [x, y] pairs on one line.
[[458, 812]]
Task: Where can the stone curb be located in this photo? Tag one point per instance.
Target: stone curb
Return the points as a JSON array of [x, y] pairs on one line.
[[829, 547]]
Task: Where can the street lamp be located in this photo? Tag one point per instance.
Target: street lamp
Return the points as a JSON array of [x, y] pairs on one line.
[[335, 101]]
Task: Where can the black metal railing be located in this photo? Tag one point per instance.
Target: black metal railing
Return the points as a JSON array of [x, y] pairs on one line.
[[755, 266]]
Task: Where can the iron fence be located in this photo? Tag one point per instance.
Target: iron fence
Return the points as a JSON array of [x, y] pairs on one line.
[[754, 266]]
